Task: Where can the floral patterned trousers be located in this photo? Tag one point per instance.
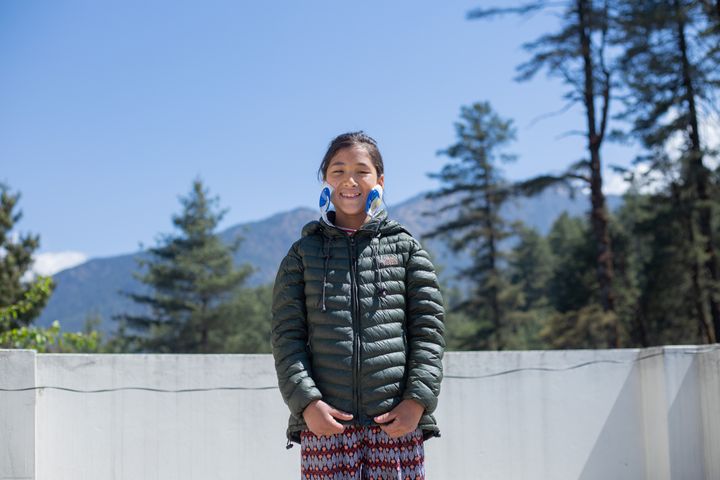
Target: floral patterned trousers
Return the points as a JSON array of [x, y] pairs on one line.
[[362, 453]]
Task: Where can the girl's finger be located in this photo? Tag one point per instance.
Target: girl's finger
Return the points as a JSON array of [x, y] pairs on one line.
[[331, 427], [385, 417], [338, 414]]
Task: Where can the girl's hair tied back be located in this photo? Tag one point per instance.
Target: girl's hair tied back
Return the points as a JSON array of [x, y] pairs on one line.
[[348, 140]]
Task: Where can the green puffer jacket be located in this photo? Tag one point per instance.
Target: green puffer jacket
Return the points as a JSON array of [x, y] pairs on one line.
[[357, 321]]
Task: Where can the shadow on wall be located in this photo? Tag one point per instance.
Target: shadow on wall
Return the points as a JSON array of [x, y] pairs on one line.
[[679, 435], [685, 426], [622, 433]]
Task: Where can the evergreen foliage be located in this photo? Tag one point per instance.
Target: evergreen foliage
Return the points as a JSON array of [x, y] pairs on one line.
[[193, 281], [577, 54], [671, 73], [529, 270], [473, 177], [24, 295], [252, 314], [21, 298]]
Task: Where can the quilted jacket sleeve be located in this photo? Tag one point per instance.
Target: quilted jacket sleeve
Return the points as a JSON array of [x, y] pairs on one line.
[[289, 335], [425, 330]]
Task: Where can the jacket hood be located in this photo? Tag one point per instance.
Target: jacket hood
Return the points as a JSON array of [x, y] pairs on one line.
[[379, 223]]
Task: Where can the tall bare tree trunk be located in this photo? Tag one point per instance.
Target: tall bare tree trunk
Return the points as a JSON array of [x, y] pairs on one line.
[[598, 215], [699, 175], [492, 246]]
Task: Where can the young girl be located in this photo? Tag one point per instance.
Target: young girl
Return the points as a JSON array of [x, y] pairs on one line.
[[357, 330]]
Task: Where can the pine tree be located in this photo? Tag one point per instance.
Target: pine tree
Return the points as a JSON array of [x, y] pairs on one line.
[[529, 270], [193, 281], [530, 267], [628, 256], [577, 55], [577, 320], [667, 303], [473, 179], [251, 306], [671, 70], [22, 298], [573, 283]]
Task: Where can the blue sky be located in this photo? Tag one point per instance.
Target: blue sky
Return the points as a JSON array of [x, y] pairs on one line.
[[111, 108]]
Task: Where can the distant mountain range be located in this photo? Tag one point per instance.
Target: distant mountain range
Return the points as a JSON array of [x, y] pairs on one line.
[[92, 287]]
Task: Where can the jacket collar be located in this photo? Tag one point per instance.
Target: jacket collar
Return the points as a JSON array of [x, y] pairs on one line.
[[380, 223]]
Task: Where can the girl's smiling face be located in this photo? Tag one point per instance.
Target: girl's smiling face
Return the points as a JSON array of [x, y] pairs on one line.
[[352, 175]]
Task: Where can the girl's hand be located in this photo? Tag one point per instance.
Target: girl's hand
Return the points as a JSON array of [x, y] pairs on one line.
[[402, 419], [320, 418]]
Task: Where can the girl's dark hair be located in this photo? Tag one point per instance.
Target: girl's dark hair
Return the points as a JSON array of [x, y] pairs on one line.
[[349, 140]]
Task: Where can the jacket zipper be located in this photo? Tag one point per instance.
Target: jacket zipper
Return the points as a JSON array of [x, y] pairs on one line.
[[356, 327]]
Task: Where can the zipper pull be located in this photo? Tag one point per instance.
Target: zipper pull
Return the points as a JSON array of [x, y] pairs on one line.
[[289, 445]]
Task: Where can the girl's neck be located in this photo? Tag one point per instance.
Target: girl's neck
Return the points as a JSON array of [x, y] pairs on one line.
[[350, 221]]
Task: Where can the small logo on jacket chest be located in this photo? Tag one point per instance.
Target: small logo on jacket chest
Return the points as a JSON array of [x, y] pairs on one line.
[[389, 261]]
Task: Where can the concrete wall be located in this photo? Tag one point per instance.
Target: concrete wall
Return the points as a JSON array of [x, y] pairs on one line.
[[575, 414], [17, 415]]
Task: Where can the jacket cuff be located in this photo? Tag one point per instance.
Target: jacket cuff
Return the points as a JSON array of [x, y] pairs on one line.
[[429, 402], [298, 405]]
